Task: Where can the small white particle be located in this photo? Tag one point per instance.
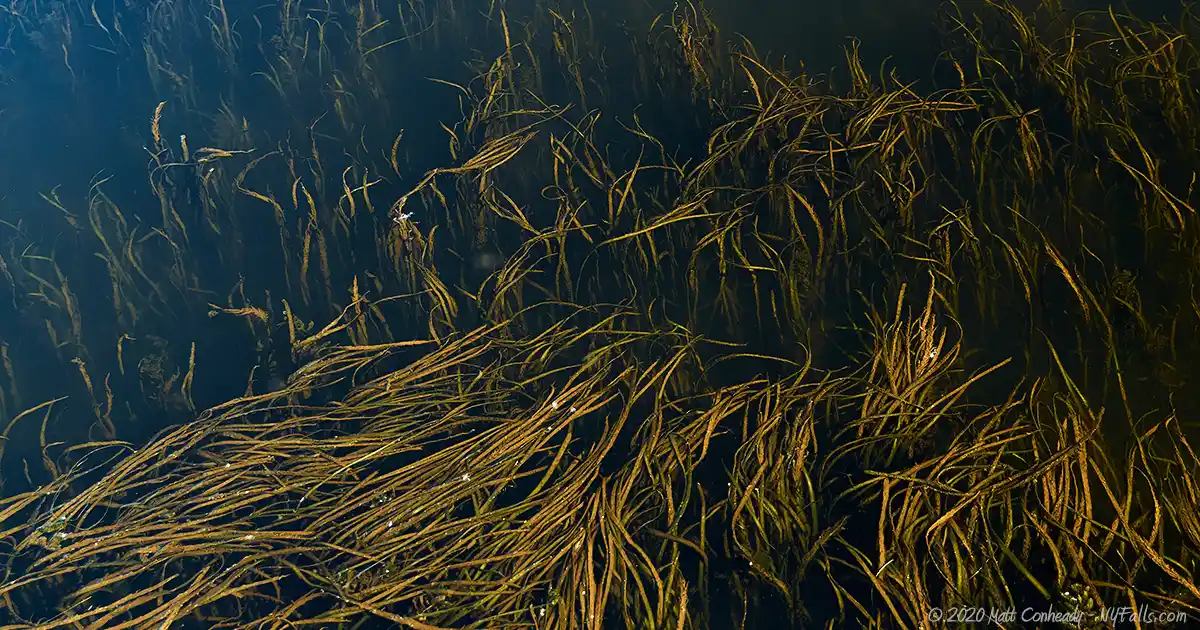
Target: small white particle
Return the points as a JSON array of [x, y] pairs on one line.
[[466, 477]]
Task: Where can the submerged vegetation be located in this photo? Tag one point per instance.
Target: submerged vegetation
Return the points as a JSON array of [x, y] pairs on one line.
[[496, 315]]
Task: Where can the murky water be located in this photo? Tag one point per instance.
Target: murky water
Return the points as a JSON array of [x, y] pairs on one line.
[[904, 33]]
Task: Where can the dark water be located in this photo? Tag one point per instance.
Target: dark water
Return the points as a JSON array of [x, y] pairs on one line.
[[902, 33]]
